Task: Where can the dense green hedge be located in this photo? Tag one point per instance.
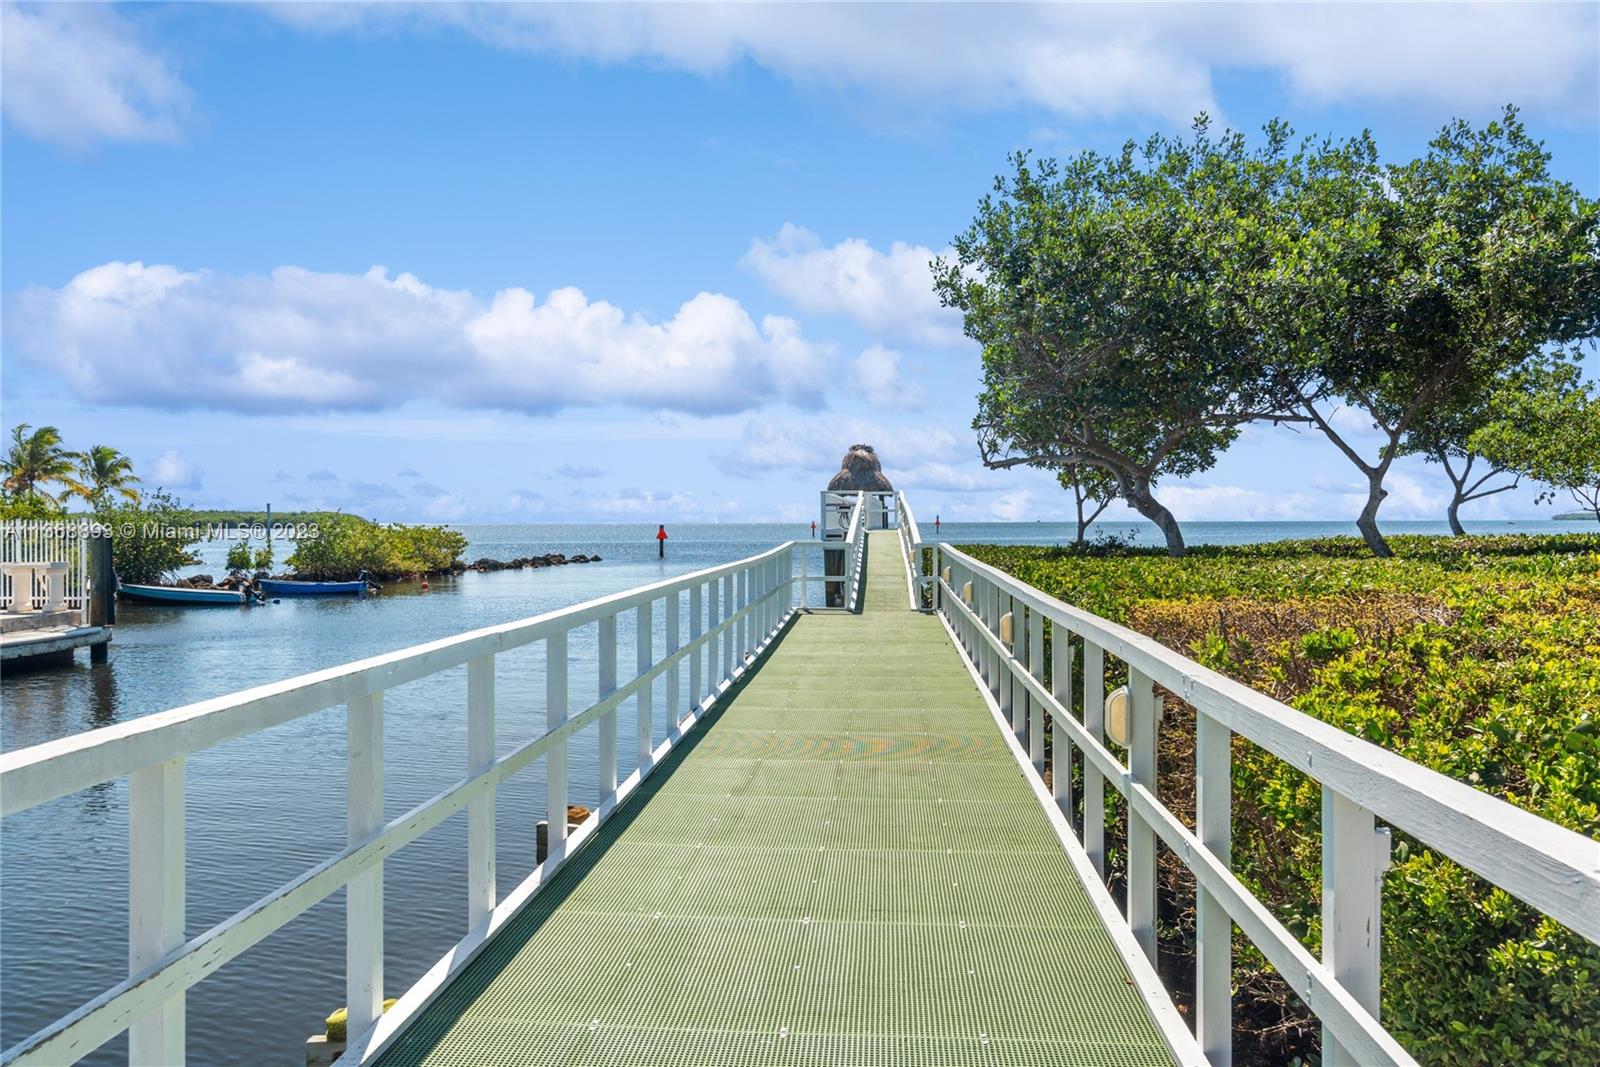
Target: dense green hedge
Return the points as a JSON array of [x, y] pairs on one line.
[[1478, 657], [346, 545]]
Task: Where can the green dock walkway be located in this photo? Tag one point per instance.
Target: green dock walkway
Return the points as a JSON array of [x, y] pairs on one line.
[[842, 866]]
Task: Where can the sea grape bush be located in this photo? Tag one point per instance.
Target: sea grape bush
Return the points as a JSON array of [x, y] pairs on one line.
[[1477, 657]]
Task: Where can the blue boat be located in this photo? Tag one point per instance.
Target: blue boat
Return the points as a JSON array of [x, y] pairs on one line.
[[177, 594], [287, 587]]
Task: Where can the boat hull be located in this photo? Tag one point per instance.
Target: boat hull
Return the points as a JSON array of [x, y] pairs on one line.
[[280, 587], [171, 594]]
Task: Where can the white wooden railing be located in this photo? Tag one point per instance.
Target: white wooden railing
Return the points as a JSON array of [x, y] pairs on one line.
[[911, 546], [47, 541], [999, 623], [855, 540], [733, 612]]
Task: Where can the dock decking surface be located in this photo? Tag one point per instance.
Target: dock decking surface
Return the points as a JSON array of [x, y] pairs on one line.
[[842, 866]]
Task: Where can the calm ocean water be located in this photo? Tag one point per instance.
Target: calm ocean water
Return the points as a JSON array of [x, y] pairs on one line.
[[263, 809]]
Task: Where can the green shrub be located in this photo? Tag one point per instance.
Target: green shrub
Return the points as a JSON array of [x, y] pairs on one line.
[[1478, 657], [151, 539], [346, 545]]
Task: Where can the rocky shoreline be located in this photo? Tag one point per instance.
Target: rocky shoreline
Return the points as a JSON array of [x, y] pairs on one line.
[[482, 565]]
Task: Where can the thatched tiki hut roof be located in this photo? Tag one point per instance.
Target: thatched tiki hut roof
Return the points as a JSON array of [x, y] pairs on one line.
[[861, 472]]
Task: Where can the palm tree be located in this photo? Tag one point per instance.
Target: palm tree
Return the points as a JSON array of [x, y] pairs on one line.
[[36, 458], [103, 473]]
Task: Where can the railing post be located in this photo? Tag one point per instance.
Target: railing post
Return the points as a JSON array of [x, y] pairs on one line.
[[1061, 689], [555, 768], [1035, 705], [744, 614], [156, 900], [714, 643], [1141, 837], [989, 597], [1351, 873], [805, 576], [480, 811], [1213, 817], [1016, 690], [1094, 783], [672, 707], [644, 659], [728, 660], [607, 740], [697, 693], [363, 903]]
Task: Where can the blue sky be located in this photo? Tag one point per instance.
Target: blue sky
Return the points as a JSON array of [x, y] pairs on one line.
[[657, 264]]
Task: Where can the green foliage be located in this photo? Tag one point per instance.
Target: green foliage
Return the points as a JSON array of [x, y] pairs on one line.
[[1404, 291], [27, 507], [244, 558], [1135, 310], [1092, 488], [346, 545], [35, 459], [1478, 657], [1105, 295], [104, 475], [1547, 425], [151, 540]]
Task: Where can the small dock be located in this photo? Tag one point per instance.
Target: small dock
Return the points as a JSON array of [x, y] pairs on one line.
[[25, 649], [48, 638]]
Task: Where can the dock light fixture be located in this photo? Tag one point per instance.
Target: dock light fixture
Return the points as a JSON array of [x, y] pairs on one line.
[[1119, 706], [966, 592], [1007, 628], [947, 576]]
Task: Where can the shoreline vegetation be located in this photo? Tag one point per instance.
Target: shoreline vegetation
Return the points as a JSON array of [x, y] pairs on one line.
[[238, 578], [1476, 656]]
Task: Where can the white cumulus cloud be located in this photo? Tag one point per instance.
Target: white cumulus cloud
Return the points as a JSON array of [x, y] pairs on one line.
[[1089, 60], [1012, 507], [1233, 503], [888, 294], [76, 74], [878, 376], [816, 446], [301, 340], [173, 471]]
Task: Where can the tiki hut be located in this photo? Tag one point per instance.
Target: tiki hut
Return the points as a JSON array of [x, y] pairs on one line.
[[860, 472]]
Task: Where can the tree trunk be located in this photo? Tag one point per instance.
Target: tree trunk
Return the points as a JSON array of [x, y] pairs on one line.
[[1139, 496], [1453, 513], [1367, 523]]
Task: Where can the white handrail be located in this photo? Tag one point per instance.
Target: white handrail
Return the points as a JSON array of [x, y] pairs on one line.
[[1547, 866], [736, 610], [856, 551], [911, 549]]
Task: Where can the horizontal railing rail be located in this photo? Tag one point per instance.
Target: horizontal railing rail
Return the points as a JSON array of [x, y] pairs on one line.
[[734, 611], [999, 623]]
